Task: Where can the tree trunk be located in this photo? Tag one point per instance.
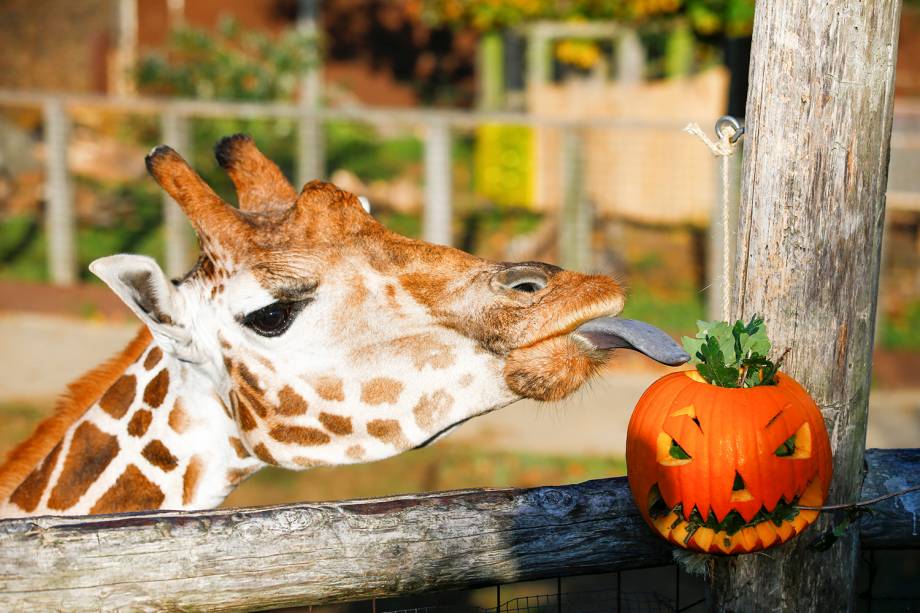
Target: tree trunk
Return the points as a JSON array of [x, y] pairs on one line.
[[812, 210]]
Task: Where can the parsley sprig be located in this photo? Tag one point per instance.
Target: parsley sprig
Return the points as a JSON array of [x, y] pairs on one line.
[[732, 356]]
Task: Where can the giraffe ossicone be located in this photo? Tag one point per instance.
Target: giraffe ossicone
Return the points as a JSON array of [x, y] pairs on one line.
[[307, 334]]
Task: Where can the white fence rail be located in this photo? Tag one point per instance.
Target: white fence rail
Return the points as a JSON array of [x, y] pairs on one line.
[[174, 114]]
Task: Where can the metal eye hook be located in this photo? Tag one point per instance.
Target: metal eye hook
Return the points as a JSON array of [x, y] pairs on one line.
[[728, 121]]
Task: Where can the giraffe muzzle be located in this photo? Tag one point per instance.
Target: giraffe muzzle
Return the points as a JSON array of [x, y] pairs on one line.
[[616, 333]]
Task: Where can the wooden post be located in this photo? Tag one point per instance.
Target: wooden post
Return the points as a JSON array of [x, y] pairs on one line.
[[812, 209], [311, 156], [437, 215], [60, 225], [176, 228], [575, 217]]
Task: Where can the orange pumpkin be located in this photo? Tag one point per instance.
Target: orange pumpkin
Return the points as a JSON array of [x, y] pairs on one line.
[[734, 460]]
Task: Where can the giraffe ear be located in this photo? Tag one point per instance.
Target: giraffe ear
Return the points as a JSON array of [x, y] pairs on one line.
[[141, 284]]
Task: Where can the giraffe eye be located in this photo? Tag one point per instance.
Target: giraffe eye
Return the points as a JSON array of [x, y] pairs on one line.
[[272, 320]]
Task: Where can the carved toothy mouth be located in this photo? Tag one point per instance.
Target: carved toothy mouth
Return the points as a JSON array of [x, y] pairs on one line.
[[733, 534]]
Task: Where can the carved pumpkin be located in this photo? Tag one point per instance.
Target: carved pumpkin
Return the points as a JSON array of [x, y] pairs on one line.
[[719, 470]]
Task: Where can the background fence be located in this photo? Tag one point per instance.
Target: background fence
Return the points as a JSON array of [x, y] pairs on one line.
[[572, 142]]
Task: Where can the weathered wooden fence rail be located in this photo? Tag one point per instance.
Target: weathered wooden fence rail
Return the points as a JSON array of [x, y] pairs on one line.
[[241, 559]]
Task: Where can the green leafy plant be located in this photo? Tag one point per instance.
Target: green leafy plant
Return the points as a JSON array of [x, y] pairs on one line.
[[732, 355]]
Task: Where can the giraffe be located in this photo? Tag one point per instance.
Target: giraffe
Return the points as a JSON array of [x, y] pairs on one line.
[[307, 334]]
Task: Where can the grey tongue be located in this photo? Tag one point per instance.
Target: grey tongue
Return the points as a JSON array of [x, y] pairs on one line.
[[613, 332]]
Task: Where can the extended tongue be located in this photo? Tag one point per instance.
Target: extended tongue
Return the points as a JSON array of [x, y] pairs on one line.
[[613, 332]]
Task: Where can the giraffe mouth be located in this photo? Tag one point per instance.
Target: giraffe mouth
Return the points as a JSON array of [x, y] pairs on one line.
[[609, 332]]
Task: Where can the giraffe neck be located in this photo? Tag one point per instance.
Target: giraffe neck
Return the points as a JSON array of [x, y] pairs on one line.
[[158, 437]]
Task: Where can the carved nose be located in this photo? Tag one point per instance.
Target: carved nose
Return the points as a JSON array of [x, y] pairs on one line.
[[525, 278]]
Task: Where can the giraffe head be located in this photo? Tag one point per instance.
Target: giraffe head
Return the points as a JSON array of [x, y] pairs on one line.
[[332, 340]]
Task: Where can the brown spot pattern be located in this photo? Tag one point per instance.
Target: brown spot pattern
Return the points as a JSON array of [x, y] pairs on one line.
[[132, 492], [381, 390], [337, 424], [178, 418], [247, 376], [190, 479], [431, 409], [330, 388], [299, 435], [238, 447], [425, 350], [308, 462], [157, 454], [29, 493], [117, 399], [263, 454], [355, 452], [388, 431], [255, 402], [91, 450], [139, 423], [290, 402], [235, 476], [246, 420], [156, 390], [152, 358], [465, 380]]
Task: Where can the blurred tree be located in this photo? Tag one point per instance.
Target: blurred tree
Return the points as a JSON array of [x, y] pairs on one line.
[[228, 63]]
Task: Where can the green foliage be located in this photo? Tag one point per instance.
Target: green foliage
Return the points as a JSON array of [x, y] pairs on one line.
[[708, 17], [229, 63], [732, 356]]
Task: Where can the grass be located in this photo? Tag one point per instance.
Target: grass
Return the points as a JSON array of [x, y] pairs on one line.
[[901, 331], [440, 467], [675, 310]]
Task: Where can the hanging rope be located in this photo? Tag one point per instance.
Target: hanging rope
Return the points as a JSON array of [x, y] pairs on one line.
[[728, 131]]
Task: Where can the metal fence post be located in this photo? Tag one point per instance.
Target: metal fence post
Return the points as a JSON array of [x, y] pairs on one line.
[[311, 155], [575, 219], [436, 220], [177, 230], [60, 224]]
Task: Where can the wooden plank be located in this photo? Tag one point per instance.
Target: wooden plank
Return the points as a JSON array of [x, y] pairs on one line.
[[241, 559], [812, 208]]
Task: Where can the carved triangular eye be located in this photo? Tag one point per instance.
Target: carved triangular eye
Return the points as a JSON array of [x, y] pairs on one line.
[[798, 445], [670, 453], [677, 452]]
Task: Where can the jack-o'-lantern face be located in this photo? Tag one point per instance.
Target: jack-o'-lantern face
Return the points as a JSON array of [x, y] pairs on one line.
[[720, 470]]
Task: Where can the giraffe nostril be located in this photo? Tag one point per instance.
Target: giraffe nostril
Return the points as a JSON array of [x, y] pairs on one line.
[[525, 279]]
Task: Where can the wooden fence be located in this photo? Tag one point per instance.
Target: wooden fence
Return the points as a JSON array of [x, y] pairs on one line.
[[312, 553]]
